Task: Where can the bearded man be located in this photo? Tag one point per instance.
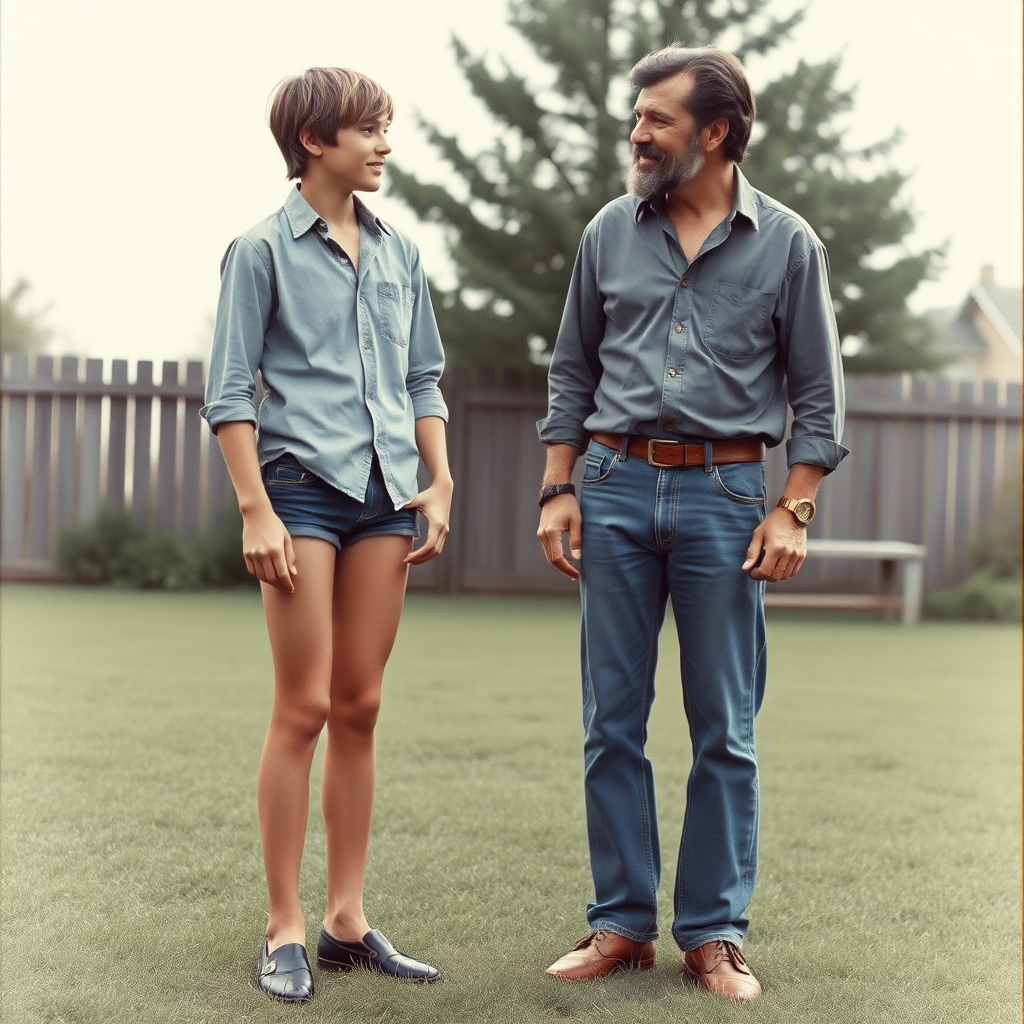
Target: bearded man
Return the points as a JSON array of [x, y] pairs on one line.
[[698, 306]]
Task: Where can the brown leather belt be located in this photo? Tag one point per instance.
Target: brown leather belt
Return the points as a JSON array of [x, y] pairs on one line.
[[676, 454]]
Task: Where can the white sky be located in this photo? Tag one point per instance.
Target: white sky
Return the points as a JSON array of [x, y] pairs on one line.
[[134, 144]]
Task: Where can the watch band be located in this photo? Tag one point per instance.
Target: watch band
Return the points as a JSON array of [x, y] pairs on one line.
[[803, 509], [553, 490]]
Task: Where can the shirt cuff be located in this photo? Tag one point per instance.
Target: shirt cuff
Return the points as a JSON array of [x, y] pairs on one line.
[[815, 451], [429, 403], [229, 410], [552, 431]]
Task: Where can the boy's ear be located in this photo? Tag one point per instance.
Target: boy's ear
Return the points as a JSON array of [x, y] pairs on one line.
[[310, 143]]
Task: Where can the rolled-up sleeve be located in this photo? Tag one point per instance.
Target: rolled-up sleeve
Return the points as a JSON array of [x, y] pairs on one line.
[[575, 363], [426, 353], [243, 314], [810, 342]]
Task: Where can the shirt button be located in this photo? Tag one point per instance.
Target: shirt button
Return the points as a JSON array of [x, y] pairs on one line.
[[366, 348], [669, 425], [672, 372], [679, 328], [685, 282]]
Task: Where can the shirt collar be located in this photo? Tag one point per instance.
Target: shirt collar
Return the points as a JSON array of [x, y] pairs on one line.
[[301, 216], [744, 203]]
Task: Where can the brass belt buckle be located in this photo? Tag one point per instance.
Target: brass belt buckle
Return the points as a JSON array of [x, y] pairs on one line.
[[650, 453]]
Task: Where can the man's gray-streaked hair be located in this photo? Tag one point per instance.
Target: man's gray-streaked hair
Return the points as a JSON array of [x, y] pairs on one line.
[[720, 88]]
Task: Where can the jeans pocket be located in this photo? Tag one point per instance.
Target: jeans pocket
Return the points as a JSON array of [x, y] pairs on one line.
[[395, 302], [744, 479], [286, 471], [600, 464]]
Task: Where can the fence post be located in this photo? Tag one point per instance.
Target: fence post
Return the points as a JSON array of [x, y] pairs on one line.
[[12, 544], [190, 468], [67, 448], [92, 443], [42, 443], [142, 470], [168, 449], [117, 445]]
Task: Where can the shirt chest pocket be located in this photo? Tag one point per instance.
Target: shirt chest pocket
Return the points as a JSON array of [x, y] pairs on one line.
[[395, 302], [738, 321]]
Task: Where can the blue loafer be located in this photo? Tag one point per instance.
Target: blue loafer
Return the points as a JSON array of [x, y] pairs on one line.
[[284, 974], [374, 953]]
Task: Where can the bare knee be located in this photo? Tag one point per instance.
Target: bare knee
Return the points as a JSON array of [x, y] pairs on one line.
[[355, 712], [302, 720]]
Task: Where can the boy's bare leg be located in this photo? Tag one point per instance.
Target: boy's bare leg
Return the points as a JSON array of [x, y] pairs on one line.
[[369, 588], [299, 625]]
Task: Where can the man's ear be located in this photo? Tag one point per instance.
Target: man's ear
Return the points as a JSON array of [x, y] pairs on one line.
[[310, 143], [718, 132]]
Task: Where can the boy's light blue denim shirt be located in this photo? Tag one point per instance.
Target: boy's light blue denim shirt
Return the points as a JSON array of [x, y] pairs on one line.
[[713, 349], [349, 363]]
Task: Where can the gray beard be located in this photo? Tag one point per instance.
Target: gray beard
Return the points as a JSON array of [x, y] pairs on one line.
[[668, 174]]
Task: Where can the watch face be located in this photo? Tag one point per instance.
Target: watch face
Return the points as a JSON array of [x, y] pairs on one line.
[[804, 510]]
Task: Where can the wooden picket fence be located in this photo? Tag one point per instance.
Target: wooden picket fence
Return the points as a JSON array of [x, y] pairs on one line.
[[930, 457]]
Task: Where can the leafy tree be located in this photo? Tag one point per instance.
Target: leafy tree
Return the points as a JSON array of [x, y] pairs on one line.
[[21, 330], [516, 214]]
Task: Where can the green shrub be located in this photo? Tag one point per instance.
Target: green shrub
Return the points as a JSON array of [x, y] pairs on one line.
[[218, 553], [112, 549], [993, 591], [94, 552], [983, 595], [997, 546]]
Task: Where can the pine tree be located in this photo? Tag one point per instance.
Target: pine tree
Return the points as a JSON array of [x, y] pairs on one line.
[[22, 330], [560, 156]]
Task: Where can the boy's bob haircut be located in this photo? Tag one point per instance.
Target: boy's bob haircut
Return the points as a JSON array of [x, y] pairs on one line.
[[323, 100]]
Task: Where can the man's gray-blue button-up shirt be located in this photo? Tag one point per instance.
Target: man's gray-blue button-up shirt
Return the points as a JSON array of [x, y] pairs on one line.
[[652, 345], [349, 361]]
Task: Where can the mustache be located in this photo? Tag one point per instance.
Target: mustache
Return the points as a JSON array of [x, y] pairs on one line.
[[647, 150]]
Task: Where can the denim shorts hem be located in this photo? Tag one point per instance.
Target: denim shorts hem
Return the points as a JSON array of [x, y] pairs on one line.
[[316, 532], [379, 531], [627, 933], [732, 937]]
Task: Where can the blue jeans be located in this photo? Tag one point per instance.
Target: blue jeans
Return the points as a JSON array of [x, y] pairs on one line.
[[650, 534]]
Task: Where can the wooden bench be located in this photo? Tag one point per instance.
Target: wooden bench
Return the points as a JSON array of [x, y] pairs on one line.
[[886, 552]]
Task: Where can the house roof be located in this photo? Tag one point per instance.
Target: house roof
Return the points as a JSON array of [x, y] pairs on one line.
[[1000, 306]]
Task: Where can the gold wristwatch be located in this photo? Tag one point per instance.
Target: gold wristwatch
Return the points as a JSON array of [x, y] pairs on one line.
[[802, 508]]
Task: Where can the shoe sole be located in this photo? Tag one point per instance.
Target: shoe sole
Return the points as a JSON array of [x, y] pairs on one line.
[[337, 965], [698, 981], [642, 965]]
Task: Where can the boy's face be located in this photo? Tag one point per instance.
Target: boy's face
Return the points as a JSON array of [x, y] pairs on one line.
[[356, 161]]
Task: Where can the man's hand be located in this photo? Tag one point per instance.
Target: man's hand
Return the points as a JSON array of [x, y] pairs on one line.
[[557, 516], [784, 542], [434, 504]]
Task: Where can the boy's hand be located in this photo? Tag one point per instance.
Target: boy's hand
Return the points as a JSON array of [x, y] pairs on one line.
[[434, 504], [267, 547]]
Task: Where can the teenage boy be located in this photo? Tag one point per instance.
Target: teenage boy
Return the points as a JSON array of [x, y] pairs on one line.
[[330, 306]]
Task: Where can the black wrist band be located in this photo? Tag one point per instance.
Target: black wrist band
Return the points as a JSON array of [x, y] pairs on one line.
[[553, 490]]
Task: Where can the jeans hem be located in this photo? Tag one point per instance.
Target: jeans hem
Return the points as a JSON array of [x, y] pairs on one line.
[[691, 944], [626, 933]]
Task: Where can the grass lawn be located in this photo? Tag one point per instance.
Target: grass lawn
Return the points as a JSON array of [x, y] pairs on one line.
[[132, 878]]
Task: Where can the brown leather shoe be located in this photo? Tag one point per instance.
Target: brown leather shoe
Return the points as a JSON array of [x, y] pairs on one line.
[[601, 953], [720, 968]]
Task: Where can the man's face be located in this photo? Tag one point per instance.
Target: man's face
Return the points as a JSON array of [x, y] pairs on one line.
[[667, 145], [356, 160]]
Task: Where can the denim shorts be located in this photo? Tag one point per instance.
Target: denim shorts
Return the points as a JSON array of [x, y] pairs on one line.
[[311, 507]]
